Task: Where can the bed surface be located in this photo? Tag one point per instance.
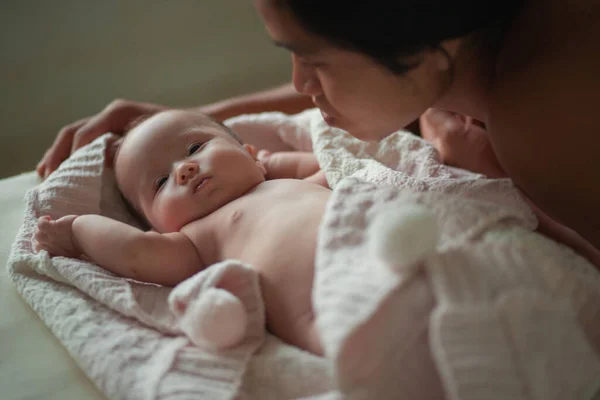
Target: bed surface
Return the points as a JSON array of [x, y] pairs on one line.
[[33, 363]]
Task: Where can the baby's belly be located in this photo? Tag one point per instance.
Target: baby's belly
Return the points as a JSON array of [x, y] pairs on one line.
[[282, 248], [285, 257]]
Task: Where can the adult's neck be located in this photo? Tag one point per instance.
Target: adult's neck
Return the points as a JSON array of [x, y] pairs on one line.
[[472, 75]]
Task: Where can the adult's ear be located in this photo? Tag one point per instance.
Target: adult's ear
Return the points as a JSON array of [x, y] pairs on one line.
[[112, 149], [445, 53]]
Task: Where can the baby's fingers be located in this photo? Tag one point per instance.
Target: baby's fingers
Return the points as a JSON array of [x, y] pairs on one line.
[[43, 224], [41, 236], [263, 155], [40, 240], [44, 220], [37, 246]]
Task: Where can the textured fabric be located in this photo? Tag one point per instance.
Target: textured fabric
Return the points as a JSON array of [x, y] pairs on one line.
[[495, 311]]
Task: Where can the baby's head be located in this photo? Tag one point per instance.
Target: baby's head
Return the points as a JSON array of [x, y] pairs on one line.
[[178, 166]]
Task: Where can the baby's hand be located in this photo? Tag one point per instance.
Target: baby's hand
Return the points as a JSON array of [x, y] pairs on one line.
[[56, 237]]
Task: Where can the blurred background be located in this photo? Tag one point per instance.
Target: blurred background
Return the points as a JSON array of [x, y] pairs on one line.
[[63, 60]]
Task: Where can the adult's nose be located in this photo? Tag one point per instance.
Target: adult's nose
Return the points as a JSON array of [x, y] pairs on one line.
[[304, 78], [186, 171]]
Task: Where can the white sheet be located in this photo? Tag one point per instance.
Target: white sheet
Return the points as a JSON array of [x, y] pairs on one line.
[[33, 363]]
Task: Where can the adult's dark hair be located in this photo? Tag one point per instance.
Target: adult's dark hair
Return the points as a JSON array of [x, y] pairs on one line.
[[391, 30]]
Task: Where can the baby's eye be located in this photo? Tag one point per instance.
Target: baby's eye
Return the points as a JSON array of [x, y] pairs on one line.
[[194, 147], [160, 183]]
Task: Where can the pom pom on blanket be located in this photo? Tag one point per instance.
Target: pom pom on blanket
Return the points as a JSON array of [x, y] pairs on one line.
[[404, 236], [215, 319]]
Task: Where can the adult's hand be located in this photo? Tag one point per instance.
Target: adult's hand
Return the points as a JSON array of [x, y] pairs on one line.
[[461, 142], [119, 113], [464, 144], [113, 118]]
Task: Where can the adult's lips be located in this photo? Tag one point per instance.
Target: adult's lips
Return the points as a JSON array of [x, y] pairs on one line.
[[329, 115]]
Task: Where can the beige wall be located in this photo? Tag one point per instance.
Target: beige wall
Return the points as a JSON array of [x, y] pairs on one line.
[[61, 60]]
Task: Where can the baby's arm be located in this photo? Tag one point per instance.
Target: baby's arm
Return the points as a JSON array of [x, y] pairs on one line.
[[292, 165], [289, 164], [165, 259]]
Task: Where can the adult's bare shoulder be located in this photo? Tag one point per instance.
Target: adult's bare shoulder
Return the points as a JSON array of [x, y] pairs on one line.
[[543, 116]]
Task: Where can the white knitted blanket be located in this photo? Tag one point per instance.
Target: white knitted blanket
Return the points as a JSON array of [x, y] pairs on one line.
[[429, 284], [128, 336]]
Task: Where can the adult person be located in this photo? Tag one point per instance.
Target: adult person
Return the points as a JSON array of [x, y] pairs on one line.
[[525, 68]]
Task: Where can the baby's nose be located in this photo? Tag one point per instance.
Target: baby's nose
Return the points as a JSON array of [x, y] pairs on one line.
[[186, 171]]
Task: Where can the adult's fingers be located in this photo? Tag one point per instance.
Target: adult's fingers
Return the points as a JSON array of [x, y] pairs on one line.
[[107, 120], [60, 149], [41, 167], [87, 133], [115, 118], [434, 122]]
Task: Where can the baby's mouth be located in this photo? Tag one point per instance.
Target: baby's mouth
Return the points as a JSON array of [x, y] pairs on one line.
[[202, 183]]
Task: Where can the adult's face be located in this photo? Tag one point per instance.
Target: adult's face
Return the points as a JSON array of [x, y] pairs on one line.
[[353, 91]]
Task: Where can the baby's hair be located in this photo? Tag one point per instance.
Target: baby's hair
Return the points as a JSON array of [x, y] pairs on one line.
[[137, 121], [230, 131]]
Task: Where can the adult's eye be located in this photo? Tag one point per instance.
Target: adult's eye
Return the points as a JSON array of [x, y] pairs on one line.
[[312, 63]]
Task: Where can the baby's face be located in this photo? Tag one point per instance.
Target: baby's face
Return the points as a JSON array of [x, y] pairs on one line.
[[179, 166]]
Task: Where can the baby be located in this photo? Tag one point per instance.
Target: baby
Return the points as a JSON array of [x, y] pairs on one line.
[[207, 199]]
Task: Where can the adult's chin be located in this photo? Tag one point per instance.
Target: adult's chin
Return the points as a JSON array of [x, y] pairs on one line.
[[370, 135]]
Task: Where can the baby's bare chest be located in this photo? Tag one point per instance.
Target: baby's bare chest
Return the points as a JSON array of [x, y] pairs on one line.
[[277, 232], [273, 227]]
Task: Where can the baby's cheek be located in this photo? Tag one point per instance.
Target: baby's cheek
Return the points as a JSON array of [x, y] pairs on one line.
[[175, 213], [227, 156], [162, 218]]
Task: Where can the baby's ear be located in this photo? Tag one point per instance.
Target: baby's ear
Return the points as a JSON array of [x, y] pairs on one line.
[[112, 148], [252, 150]]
